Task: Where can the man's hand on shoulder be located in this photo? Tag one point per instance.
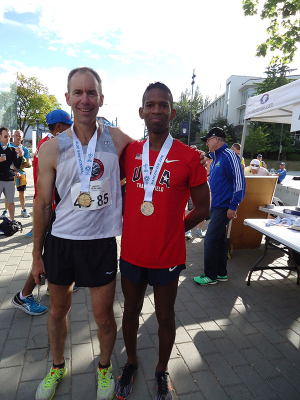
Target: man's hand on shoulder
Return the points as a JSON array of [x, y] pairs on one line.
[[203, 158]]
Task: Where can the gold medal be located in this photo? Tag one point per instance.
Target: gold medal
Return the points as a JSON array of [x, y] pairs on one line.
[[147, 208], [84, 199]]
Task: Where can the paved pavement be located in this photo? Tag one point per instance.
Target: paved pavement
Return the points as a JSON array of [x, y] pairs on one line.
[[232, 342]]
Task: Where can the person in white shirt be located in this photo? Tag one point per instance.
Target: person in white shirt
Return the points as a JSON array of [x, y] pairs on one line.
[[255, 169]]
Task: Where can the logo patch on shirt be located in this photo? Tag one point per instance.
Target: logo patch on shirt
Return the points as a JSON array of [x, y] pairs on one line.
[[138, 156], [97, 170], [218, 164], [106, 142]]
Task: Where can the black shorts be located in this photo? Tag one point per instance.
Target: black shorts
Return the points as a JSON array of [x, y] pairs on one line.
[[21, 188], [88, 263], [153, 276]]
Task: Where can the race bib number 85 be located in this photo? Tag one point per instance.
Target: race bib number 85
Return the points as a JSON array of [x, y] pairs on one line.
[[99, 192]]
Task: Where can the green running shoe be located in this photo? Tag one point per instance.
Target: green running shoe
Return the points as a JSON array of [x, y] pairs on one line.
[[204, 280], [106, 383], [47, 387], [223, 278]]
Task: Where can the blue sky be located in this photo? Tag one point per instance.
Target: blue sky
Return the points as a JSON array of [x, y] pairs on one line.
[[130, 44]]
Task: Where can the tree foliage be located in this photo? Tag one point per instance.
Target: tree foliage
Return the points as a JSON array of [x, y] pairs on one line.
[[257, 141], [284, 29], [183, 106], [33, 102], [276, 77]]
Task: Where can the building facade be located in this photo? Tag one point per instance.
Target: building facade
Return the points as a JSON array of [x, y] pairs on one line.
[[232, 103]]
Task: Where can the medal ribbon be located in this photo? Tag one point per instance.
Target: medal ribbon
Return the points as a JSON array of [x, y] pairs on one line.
[[84, 165], [150, 180]]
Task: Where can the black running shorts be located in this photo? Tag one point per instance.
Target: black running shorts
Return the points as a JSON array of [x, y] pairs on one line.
[[88, 263], [153, 276]]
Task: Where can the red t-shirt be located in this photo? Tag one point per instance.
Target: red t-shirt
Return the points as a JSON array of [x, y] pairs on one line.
[[36, 170], [158, 241]]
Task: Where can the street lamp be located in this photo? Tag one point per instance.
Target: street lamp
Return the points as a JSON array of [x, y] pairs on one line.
[[193, 81], [37, 128]]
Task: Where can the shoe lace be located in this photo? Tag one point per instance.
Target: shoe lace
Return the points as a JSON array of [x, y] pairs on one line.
[[52, 377], [32, 300], [162, 383], [103, 378], [128, 371]]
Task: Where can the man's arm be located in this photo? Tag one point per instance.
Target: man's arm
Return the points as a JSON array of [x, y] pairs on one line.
[[17, 156], [201, 199], [120, 139], [43, 204], [26, 164], [238, 179]]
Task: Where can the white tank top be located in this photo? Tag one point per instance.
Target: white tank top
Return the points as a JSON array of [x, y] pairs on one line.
[[72, 223]]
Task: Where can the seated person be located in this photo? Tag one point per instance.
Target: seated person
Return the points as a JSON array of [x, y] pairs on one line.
[[255, 169]]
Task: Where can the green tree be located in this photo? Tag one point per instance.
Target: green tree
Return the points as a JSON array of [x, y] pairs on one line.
[[276, 77], [33, 102], [183, 106], [257, 141], [284, 29]]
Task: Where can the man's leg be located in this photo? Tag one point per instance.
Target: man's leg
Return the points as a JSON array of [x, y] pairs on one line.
[[11, 210], [102, 304], [164, 297], [25, 301], [60, 304], [22, 199], [214, 234], [60, 300], [134, 299]]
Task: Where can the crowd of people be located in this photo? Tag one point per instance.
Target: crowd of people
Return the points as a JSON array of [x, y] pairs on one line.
[[78, 212]]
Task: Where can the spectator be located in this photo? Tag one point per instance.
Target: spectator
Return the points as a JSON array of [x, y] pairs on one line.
[[255, 169], [227, 185], [9, 157], [261, 162], [236, 147], [281, 173], [20, 173]]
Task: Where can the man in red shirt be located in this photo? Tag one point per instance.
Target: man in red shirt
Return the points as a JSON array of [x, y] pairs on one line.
[[58, 121], [161, 174]]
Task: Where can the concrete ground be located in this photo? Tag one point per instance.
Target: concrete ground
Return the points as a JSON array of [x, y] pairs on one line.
[[232, 342]]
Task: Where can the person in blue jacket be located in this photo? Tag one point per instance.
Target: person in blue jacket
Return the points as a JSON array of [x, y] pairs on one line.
[[227, 185], [281, 173]]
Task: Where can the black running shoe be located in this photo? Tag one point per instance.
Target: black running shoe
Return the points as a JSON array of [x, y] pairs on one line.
[[163, 386], [125, 381]]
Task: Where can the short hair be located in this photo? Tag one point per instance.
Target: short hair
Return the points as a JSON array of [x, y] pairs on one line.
[[3, 129], [19, 130], [222, 139], [236, 146], [52, 127], [158, 85], [83, 70]]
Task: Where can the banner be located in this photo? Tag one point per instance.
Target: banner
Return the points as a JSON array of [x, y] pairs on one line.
[[184, 128], [296, 118]]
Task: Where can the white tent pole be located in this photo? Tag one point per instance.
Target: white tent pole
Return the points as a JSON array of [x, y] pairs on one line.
[[243, 138]]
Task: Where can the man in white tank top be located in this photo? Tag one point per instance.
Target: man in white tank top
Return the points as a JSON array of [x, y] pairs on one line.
[[83, 164]]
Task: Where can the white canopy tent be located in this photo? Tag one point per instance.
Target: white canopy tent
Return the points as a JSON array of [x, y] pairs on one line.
[[281, 105]]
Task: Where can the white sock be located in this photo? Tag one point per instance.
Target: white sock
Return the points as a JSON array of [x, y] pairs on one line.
[[22, 297]]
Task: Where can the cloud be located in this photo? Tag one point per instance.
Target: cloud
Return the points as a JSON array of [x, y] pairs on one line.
[[71, 51], [52, 48], [89, 54]]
